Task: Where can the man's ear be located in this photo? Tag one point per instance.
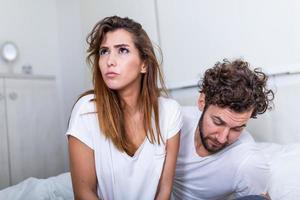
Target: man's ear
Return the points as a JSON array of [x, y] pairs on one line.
[[201, 101]]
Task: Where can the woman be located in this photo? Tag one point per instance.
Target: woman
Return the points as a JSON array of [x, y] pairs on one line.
[[123, 136]]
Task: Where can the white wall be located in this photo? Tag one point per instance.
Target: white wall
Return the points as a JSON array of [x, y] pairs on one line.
[[142, 11], [72, 73], [35, 27], [49, 37], [281, 124], [32, 25], [196, 33]]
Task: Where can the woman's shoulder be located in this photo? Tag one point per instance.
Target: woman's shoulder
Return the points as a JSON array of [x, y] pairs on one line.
[[170, 117], [85, 104], [168, 107], [86, 98], [168, 103]]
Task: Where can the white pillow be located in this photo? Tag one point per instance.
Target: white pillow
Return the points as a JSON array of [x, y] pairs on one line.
[[285, 170]]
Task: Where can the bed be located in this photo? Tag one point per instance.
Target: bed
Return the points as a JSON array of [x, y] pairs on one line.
[[284, 183]]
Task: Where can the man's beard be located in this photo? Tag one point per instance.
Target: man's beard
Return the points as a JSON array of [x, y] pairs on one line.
[[204, 140]]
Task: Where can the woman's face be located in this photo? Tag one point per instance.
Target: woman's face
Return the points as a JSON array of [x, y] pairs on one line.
[[120, 63]]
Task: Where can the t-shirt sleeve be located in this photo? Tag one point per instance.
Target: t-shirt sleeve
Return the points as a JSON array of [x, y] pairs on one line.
[[175, 119], [253, 176], [78, 127]]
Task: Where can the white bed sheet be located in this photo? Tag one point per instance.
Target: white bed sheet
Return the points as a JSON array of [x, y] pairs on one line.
[[285, 170], [53, 188], [284, 183]]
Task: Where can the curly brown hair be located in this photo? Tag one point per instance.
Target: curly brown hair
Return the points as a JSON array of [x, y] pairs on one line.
[[234, 85]]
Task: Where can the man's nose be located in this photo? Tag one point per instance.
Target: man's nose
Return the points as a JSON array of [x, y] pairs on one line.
[[222, 137]]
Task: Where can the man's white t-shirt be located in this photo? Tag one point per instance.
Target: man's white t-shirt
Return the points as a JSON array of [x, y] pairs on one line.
[[119, 175], [238, 170]]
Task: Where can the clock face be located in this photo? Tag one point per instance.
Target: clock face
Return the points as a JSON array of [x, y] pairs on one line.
[[9, 51]]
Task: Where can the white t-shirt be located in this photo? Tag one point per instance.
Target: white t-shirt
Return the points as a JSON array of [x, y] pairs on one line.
[[119, 175], [238, 170]]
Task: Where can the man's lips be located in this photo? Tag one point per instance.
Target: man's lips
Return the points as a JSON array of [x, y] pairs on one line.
[[215, 143]]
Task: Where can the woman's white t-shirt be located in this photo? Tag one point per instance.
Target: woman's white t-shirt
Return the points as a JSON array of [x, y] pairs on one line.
[[119, 175]]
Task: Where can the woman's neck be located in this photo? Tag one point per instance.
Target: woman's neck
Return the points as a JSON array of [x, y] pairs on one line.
[[130, 100]]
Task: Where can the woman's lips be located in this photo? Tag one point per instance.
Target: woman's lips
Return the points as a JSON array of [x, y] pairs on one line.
[[111, 74]]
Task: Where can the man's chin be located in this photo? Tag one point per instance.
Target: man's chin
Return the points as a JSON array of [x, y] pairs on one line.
[[213, 149]]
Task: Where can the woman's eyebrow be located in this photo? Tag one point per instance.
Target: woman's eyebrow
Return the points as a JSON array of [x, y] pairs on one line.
[[116, 45], [121, 45]]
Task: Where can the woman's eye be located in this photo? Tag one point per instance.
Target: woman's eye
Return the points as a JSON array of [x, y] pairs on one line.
[[103, 52], [123, 50]]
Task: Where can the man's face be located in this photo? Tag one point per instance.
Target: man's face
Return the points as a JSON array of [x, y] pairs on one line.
[[220, 127]]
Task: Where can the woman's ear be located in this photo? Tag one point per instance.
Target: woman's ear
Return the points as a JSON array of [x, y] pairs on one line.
[[144, 68], [201, 101]]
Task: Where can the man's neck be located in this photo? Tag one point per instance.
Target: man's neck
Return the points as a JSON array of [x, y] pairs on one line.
[[200, 149]]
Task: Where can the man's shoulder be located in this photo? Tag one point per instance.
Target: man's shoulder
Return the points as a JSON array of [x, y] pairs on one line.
[[190, 114], [242, 149], [190, 118], [246, 154], [246, 137], [190, 110]]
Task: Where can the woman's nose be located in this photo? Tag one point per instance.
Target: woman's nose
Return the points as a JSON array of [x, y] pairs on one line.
[[111, 60]]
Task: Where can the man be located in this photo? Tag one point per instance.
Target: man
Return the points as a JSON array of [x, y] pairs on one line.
[[218, 159]]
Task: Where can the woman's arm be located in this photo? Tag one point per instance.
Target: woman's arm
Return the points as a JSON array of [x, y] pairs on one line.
[[83, 172], [166, 181]]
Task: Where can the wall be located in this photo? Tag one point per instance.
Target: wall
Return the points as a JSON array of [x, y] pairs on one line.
[[195, 34], [72, 72], [40, 30], [143, 11], [281, 124], [32, 25], [49, 37]]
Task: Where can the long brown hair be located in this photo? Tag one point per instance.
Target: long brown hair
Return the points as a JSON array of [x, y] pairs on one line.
[[108, 104]]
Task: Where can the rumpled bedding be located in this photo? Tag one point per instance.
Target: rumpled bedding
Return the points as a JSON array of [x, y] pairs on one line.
[[285, 170], [284, 183], [53, 188]]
